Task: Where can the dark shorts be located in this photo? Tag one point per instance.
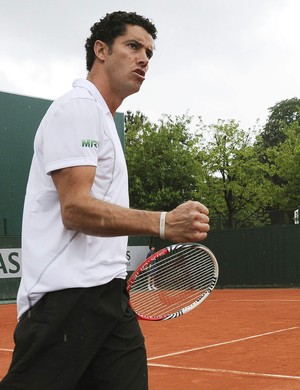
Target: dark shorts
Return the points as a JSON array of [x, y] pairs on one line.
[[79, 339]]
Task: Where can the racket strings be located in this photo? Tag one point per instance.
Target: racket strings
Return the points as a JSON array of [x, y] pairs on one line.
[[163, 302], [162, 272], [180, 278], [192, 277], [188, 281], [166, 262], [169, 276]]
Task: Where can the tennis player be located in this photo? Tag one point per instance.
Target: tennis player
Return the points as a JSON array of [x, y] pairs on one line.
[[75, 328]]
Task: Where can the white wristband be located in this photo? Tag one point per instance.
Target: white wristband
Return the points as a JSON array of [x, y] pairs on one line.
[[162, 225]]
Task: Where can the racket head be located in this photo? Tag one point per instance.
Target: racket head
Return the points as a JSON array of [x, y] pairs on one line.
[[184, 275]]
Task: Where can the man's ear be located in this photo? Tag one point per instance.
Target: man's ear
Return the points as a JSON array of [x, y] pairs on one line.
[[100, 50]]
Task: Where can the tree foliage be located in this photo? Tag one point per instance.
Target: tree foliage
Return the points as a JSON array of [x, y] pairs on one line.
[[282, 115], [236, 187], [238, 177], [278, 146], [285, 159], [161, 160]]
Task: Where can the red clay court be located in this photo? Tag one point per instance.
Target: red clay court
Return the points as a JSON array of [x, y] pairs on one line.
[[237, 339]]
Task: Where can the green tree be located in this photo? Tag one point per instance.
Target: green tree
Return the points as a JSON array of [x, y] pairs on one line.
[[285, 159], [235, 185], [278, 145], [283, 114], [162, 161]]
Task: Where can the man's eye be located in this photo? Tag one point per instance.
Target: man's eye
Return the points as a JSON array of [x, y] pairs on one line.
[[149, 54], [133, 45]]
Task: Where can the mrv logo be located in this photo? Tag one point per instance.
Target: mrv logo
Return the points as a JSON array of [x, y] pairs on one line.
[[10, 263], [90, 143]]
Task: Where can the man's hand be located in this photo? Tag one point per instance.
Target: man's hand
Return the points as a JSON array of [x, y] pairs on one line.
[[189, 222]]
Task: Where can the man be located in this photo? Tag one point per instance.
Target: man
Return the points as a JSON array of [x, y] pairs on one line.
[[151, 277], [151, 251], [75, 329]]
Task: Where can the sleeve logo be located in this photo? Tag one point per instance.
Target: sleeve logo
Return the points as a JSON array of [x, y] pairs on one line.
[[90, 143]]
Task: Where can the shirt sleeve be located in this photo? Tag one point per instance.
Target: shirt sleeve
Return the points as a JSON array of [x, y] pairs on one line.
[[71, 136]]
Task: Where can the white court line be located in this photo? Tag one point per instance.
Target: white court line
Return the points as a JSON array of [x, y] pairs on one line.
[[254, 300], [6, 350], [226, 371], [224, 343], [265, 300]]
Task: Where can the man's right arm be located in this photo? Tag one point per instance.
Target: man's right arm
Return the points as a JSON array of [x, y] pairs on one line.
[[82, 212]]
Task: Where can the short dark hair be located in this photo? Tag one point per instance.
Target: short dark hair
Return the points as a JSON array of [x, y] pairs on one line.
[[112, 26]]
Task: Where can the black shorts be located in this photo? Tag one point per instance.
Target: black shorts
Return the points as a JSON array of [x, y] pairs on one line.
[[79, 339]]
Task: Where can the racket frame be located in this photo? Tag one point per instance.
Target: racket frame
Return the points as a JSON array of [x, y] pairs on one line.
[[186, 309]]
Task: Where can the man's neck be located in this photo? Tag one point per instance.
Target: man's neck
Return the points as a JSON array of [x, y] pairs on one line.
[[112, 100]]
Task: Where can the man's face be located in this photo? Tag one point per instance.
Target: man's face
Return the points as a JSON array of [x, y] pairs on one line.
[[128, 61]]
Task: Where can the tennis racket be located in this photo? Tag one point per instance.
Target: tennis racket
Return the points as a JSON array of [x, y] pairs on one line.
[[172, 281]]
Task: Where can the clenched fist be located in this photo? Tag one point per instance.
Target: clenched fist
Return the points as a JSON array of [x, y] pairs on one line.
[[188, 222]]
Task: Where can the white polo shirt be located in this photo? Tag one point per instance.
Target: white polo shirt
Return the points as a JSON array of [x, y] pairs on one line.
[[78, 129]]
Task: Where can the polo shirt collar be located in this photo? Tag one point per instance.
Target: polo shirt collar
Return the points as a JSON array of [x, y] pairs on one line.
[[93, 91]]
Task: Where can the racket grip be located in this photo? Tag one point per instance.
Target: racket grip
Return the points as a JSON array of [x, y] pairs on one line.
[[162, 225]]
